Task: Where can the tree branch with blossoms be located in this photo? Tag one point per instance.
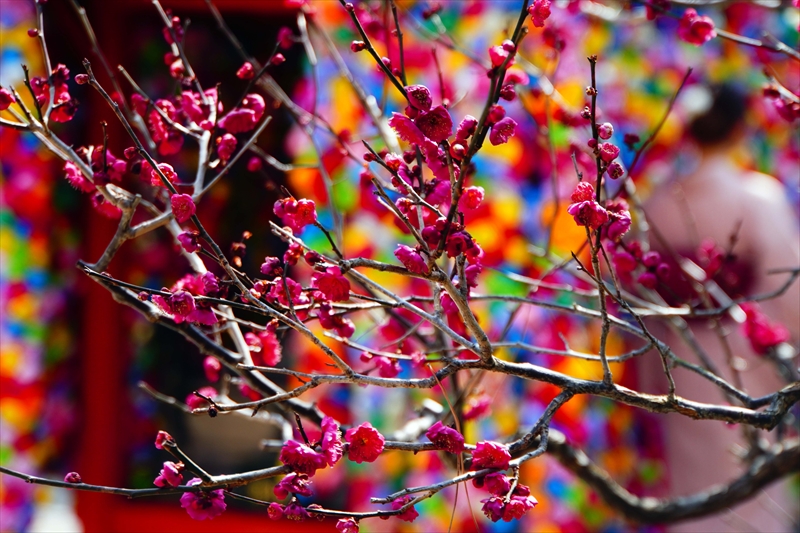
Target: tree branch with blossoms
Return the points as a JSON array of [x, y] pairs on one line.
[[447, 339]]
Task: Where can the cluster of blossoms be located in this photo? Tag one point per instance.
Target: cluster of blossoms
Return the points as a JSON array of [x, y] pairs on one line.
[[181, 303], [614, 217], [627, 258]]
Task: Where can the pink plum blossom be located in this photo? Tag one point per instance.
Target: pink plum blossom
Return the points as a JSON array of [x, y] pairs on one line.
[[366, 443], [446, 438], [696, 29], [203, 505]]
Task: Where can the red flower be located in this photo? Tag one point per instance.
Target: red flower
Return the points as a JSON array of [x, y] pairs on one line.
[[301, 458], [246, 71], [226, 145], [347, 525], [296, 214], [6, 99], [294, 484], [331, 441], [502, 131], [446, 438], [189, 241], [163, 438], [419, 96], [193, 401], [496, 507], [608, 152], [472, 197], [332, 284], [182, 207], [406, 129], [411, 259], [212, 368], [285, 37], [589, 214], [387, 368], [366, 443], [436, 124], [170, 475], [760, 331], [410, 514], [490, 454], [477, 406], [696, 29], [539, 11], [76, 179], [202, 505], [620, 219], [466, 127], [153, 177]]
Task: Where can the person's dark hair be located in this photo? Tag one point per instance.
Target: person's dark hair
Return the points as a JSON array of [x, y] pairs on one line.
[[717, 123]]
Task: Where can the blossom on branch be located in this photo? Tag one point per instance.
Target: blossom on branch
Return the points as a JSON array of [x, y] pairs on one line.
[[366, 443], [204, 504], [696, 29]]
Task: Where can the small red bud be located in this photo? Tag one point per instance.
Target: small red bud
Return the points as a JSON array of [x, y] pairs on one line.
[[73, 477], [349, 7], [357, 46], [82, 79], [33, 32], [277, 59]]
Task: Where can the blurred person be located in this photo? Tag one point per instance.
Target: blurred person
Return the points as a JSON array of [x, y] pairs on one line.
[[736, 225]]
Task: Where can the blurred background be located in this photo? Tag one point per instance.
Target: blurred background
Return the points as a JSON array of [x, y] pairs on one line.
[[71, 358]]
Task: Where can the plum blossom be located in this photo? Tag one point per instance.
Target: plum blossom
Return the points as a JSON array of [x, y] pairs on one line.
[[435, 124], [203, 505], [539, 11], [366, 443], [411, 258], [466, 128], [76, 179], [497, 508], [182, 207], [387, 368], [332, 284], [296, 214], [696, 29], [620, 218], [410, 514], [196, 401], [608, 152], [190, 241], [419, 96], [6, 99], [331, 441], [285, 37], [490, 454], [762, 333], [295, 511], [162, 437], [446, 438], [293, 484], [502, 131], [212, 368], [226, 145], [584, 209], [73, 477], [275, 511], [154, 178], [170, 475], [301, 458], [246, 117], [246, 71], [347, 525], [406, 129]]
